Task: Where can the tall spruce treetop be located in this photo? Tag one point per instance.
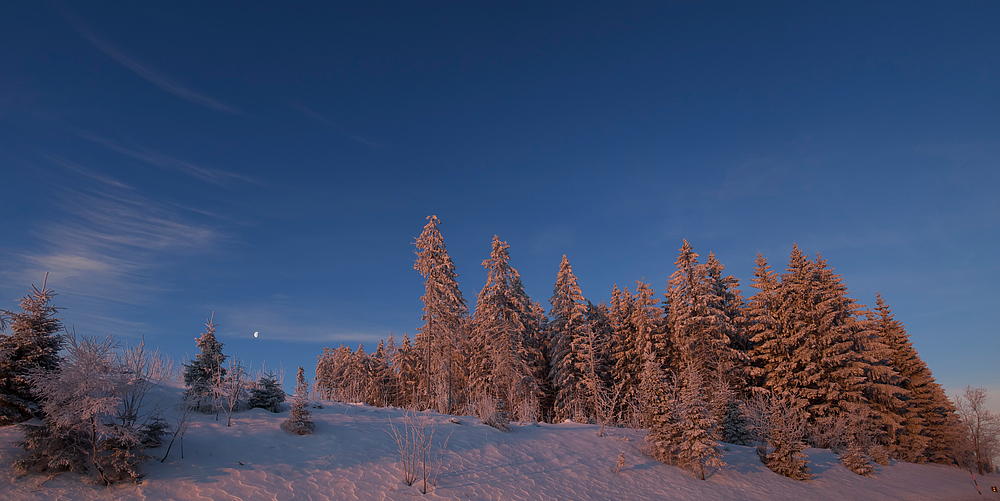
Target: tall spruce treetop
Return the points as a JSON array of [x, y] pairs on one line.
[[206, 367], [567, 330], [730, 301], [700, 330], [759, 322], [33, 344], [442, 339], [500, 366], [783, 351], [651, 335]]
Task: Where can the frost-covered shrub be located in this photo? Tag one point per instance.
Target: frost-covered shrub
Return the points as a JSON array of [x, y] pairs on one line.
[[854, 459], [779, 431], [80, 403], [491, 412], [879, 454]]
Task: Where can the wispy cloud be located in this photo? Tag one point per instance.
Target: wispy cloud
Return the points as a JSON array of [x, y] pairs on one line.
[[334, 125], [146, 72], [106, 241], [215, 176], [85, 172]]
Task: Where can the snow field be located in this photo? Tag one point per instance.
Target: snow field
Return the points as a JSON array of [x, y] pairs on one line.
[[351, 457]]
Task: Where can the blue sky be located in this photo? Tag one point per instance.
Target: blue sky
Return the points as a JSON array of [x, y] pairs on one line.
[[274, 163]]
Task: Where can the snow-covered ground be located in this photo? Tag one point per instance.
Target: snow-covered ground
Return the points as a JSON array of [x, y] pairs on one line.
[[351, 456]]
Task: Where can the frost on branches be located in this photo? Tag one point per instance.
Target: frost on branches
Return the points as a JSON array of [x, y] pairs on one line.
[[779, 431], [505, 340], [442, 341], [80, 403], [575, 371]]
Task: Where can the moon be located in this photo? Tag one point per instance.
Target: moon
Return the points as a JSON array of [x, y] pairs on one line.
[[255, 334]]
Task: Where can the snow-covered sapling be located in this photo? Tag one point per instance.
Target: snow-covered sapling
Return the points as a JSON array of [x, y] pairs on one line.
[[298, 421], [153, 430], [854, 459]]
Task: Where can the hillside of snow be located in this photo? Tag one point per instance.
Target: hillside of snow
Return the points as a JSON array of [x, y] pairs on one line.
[[351, 456]]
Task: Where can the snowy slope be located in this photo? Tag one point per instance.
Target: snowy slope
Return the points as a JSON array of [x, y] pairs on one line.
[[352, 457]]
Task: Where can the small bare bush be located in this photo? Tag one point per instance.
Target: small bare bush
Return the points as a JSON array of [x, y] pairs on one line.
[[417, 454], [620, 465]]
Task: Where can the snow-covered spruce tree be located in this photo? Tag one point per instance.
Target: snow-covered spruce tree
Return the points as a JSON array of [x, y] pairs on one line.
[[660, 395], [812, 350], [682, 430], [330, 369], [699, 446], [759, 317], [729, 301], [596, 350], [80, 402], [442, 340], [267, 394], [783, 350], [501, 347], [702, 311], [929, 423], [700, 330], [535, 352], [32, 344], [407, 366], [568, 334], [205, 371], [859, 379], [653, 339], [625, 364], [725, 404], [298, 421], [360, 373], [383, 377]]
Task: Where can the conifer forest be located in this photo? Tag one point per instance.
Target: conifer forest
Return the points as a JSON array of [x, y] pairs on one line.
[[789, 363]]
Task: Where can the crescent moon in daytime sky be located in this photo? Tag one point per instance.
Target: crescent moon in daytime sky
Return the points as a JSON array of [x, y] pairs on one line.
[[255, 334]]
